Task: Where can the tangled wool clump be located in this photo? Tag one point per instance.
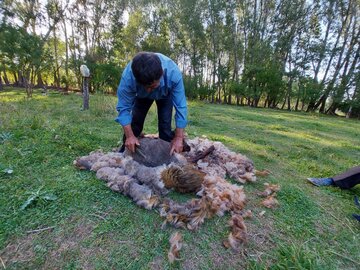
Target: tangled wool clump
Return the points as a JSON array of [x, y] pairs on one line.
[[222, 195], [238, 234], [222, 161]]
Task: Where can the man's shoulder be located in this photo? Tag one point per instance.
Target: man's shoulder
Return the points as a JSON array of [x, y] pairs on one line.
[[163, 57], [170, 68], [166, 61]]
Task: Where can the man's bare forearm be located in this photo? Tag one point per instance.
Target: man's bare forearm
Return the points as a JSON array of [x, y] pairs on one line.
[[128, 131], [179, 133]]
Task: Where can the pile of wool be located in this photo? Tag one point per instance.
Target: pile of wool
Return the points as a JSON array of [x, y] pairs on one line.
[[145, 185], [222, 161]]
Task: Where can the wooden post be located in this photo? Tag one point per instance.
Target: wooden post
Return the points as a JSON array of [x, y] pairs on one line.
[[86, 93], [85, 72]]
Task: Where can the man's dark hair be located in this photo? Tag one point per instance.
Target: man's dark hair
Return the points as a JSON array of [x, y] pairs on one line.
[[146, 68]]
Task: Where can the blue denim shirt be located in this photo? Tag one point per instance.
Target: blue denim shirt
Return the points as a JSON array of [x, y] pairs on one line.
[[171, 83]]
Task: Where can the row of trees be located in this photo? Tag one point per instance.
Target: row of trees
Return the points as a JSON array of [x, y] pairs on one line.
[[299, 54]]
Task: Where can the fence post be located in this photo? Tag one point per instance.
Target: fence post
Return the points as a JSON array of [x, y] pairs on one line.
[[85, 72]]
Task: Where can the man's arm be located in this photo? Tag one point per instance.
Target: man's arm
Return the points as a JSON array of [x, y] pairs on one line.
[[180, 105], [131, 141], [126, 93], [177, 142], [179, 102], [126, 96]]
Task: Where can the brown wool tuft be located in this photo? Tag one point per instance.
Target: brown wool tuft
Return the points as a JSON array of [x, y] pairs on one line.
[[175, 246], [270, 201], [183, 179], [238, 234], [269, 189]]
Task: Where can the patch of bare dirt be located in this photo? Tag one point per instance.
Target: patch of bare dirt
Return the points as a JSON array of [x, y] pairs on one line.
[[62, 243], [19, 250]]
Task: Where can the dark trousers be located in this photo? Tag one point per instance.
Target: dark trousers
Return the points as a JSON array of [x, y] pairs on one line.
[[139, 112], [348, 179]]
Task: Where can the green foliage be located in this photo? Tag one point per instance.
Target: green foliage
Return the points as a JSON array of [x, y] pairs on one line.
[[191, 85], [310, 90], [36, 197], [236, 88], [105, 77]]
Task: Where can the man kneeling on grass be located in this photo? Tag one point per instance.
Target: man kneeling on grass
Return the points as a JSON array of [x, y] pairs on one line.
[[148, 77]]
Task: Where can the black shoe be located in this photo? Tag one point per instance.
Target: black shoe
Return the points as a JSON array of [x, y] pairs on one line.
[[321, 181]]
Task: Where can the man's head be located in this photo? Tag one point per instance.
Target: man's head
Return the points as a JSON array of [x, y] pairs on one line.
[[147, 70]]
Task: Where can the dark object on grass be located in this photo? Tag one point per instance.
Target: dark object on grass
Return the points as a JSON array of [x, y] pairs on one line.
[[152, 152]]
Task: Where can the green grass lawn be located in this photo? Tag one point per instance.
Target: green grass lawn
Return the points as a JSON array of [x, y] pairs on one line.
[[95, 228]]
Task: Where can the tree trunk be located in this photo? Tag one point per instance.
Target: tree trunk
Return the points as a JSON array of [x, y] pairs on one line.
[[21, 79], [229, 100], [297, 104], [325, 41], [348, 114], [6, 80], [40, 82], [283, 105], [339, 66], [289, 93], [16, 82], [66, 57], [57, 68]]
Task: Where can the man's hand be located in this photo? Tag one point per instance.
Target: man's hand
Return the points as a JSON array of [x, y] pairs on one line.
[[131, 143], [176, 145]]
